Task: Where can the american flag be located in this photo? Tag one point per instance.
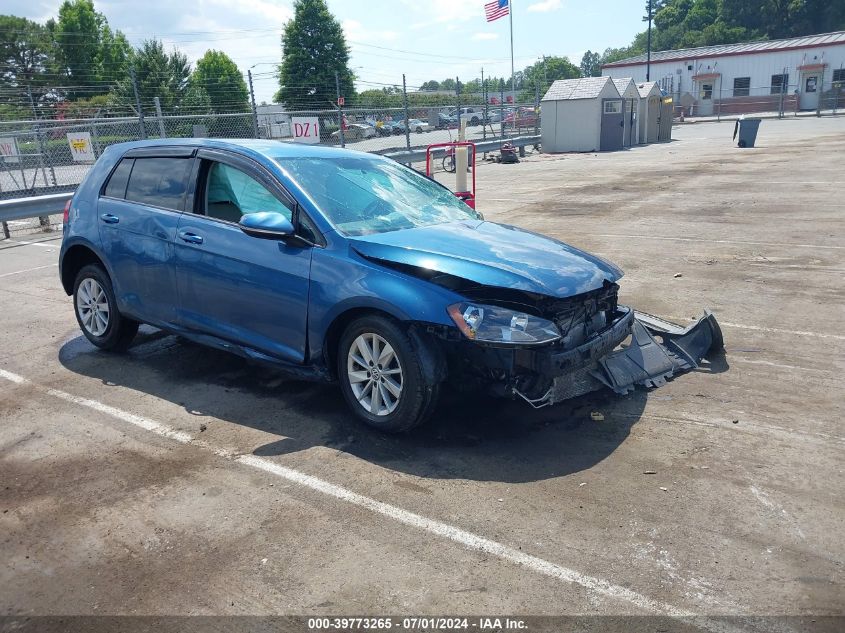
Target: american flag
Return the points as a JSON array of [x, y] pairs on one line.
[[496, 9]]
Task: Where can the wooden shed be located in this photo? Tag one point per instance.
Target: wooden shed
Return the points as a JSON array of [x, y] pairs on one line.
[[649, 112], [582, 115], [630, 100]]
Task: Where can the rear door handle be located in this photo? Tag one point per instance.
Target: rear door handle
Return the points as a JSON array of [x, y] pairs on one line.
[[108, 218], [190, 238]]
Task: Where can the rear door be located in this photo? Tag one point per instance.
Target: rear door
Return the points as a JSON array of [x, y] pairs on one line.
[[139, 209], [612, 124], [248, 290]]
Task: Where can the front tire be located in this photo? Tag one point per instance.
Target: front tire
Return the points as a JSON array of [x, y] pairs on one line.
[[96, 311], [381, 376]]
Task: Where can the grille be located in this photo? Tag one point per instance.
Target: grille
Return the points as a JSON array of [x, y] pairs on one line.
[[582, 315]]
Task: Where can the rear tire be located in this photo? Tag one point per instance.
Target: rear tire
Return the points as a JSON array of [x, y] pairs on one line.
[[96, 311], [381, 376]]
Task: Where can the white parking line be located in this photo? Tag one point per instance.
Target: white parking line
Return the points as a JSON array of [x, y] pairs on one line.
[[697, 239], [467, 539], [42, 243], [772, 330], [28, 270]]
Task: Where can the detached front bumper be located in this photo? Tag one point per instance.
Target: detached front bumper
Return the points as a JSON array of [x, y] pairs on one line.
[[656, 351]]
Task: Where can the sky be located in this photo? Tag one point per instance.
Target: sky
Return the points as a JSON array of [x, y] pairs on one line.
[[424, 39]]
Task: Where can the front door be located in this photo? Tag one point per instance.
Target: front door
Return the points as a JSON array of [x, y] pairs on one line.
[[631, 115], [247, 290], [810, 87], [705, 99], [612, 125]]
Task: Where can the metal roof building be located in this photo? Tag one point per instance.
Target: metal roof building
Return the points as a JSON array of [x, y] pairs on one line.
[[582, 115], [745, 77]]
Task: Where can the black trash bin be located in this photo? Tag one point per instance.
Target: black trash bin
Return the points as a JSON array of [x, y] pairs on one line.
[[746, 129]]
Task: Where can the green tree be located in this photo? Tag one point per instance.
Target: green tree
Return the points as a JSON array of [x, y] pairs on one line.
[[545, 71], [591, 64], [158, 74], [313, 50], [26, 53], [89, 54], [431, 85], [221, 80], [448, 84]]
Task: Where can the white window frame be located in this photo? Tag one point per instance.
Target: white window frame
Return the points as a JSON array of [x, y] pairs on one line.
[[615, 107]]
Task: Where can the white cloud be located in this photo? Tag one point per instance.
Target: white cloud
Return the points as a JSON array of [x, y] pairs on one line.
[[273, 12], [485, 36], [544, 6], [446, 11]]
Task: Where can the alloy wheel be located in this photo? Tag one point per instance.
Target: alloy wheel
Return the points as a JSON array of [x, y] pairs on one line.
[[92, 304], [375, 374]]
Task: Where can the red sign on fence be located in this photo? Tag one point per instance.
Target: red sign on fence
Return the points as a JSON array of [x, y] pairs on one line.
[[341, 102]]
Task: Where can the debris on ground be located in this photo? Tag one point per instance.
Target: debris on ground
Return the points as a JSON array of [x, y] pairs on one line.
[[664, 489], [597, 416], [649, 472], [735, 421], [678, 275], [203, 427]]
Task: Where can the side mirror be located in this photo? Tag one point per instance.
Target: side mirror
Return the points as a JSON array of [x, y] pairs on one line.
[[267, 225]]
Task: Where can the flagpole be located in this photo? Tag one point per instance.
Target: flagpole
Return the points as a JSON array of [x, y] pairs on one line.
[[513, 78]]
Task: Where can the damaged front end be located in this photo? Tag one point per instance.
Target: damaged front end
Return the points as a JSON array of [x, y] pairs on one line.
[[601, 344]]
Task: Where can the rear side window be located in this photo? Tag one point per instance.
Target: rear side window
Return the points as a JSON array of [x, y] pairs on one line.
[[116, 187], [159, 182]]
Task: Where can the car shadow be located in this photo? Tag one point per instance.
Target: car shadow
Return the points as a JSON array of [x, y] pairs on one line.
[[470, 436]]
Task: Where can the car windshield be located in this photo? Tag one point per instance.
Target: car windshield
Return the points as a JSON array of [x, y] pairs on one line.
[[362, 195]]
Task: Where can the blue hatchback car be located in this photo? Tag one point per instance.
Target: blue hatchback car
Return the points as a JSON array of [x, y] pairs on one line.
[[342, 266]]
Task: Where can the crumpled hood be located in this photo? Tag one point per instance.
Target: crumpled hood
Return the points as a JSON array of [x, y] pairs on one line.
[[492, 255]]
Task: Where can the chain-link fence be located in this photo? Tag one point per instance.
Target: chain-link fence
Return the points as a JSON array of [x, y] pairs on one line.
[[788, 94], [38, 156]]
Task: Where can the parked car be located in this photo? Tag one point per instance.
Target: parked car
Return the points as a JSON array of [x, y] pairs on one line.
[[419, 126], [522, 117], [446, 121], [472, 115], [356, 132], [336, 265]]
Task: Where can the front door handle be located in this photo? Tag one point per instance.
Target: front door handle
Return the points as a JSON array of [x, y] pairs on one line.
[[190, 238], [108, 218]]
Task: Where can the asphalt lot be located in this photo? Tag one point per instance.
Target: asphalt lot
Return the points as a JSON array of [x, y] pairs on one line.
[[180, 480]]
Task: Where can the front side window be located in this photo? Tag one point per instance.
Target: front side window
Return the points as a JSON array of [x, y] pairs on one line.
[[231, 193], [363, 195], [706, 92], [159, 182]]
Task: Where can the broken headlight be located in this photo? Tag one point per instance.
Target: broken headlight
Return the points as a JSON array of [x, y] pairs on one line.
[[492, 324]]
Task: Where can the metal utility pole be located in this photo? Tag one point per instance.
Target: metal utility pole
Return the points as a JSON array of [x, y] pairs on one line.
[[458, 101], [502, 106], [138, 103], [41, 152], [513, 74], [405, 104], [339, 109], [484, 96], [252, 101], [43, 220], [648, 54], [161, 132]]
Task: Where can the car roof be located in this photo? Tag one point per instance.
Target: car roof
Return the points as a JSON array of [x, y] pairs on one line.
[[249, 146]]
